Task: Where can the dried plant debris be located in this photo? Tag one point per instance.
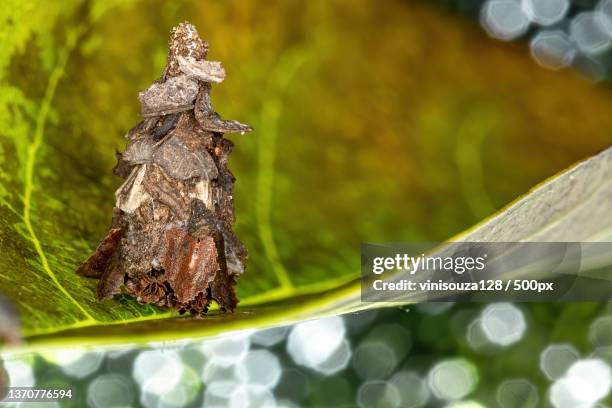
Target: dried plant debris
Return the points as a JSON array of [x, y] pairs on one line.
[[171, 241]]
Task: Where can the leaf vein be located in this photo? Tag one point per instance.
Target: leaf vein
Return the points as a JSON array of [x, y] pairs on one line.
[[33, 147]]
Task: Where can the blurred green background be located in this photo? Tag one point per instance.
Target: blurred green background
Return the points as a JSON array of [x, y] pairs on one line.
[[374, 121]]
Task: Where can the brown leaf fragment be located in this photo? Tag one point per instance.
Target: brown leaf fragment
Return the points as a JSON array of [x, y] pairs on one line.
[[192, 164], [184, 42], [199, 305], [202, 221], [139, 151], [177, 94], [210, 120], [189, 264], [165, 125], [142, 129], [95, 265], [206, 71], [147, 289], [123, 168], [132, 193], [111, 280], [235, 253], [214, 123], [162, 190], [222, 291]]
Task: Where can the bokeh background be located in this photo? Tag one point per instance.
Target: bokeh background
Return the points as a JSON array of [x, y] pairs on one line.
[[430, 355], [375, 121]]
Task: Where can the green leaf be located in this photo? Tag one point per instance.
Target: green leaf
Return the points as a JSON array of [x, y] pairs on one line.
[[408, 131], [575, 206]]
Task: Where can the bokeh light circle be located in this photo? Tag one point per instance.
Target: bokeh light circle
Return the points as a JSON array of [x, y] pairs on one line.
[[20, 373], [374, 360], [552, 49], [556, 359], [589, 34], [518, 393], [259, 367], [545, 12], [251, 396], [227, 350], [452, 379], [110, 391], [503, 323], [413, 390], [504, 19], [377, 393], [311, 343], [600, 332], [586, 382], [337, 362], [157, 371]]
